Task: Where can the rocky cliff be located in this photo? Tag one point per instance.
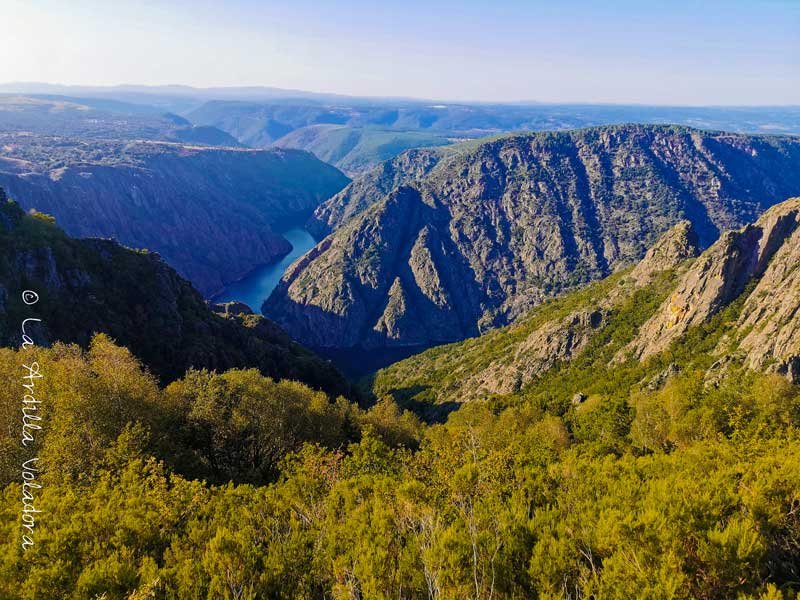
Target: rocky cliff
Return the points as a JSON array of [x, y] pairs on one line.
[[506, 360], [487, 232], [404, 169], [762, 259], [211, 213], [97, 286], [735, 306]]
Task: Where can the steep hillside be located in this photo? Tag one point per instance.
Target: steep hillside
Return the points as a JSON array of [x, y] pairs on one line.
[[355, 150], [761, 259], [91, 286], [371, 187], [734, 306], [498, 227], [209, 212]]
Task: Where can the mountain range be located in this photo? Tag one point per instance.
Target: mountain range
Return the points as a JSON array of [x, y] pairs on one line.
[[439, 245], [356, 133], [93, 118], [611, 408]]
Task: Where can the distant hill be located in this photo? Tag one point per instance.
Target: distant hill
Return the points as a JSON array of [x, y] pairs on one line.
[[356, 149], [92, 118], [97, 286], [355, 134], [475, 238], [210, 212]]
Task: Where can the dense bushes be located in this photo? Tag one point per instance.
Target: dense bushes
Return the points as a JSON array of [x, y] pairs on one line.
[[687, 491]]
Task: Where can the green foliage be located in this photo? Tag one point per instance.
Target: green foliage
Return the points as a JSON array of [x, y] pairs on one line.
[[234, 485]]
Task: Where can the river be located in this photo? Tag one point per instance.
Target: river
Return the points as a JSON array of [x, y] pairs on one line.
[[258, 285]]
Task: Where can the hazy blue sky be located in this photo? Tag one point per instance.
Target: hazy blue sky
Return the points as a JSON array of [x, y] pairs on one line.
[[667, 52]]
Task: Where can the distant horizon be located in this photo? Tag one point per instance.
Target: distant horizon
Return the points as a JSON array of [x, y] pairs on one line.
[[681, 53], [310, 94]]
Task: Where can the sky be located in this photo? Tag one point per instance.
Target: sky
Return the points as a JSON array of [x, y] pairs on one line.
[[701, 52]]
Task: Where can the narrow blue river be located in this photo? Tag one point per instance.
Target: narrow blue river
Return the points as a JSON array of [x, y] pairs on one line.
[[258, 285]]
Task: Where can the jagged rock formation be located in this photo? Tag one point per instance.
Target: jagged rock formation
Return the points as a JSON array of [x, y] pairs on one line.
[[493, 229], [506, 360], [771, 314], [209, 212], [638, 323], [97, 286], [674, 247], [721, 274], [372, 187]]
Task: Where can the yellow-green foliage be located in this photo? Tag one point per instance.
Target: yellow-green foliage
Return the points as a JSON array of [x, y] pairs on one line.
[[688, 491]]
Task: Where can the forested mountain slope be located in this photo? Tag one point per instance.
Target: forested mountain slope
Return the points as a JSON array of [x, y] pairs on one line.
[[355, 150], [477, 237], [96, 286]]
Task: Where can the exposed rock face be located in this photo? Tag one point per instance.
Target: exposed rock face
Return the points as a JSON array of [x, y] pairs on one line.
[[209, 212], [96, 286], [674, 247], [561, 340], [403, 260], [771, 313], [372, 187], [721, 274], [766, 336], [494, 229], [540, 351]]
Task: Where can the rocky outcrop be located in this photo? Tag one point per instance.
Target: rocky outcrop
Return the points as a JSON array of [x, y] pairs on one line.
[[97, 286], [494, 229], [416, 304], [721, 274], [210, 213], [372, 187], [560, 340], [770, 318], [753, 271], [676, 246], [541, 350]]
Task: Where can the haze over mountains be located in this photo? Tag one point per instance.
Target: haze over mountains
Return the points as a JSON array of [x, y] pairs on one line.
[[356, 133]]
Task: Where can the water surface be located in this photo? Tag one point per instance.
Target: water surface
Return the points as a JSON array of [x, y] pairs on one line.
[[258, 285]]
